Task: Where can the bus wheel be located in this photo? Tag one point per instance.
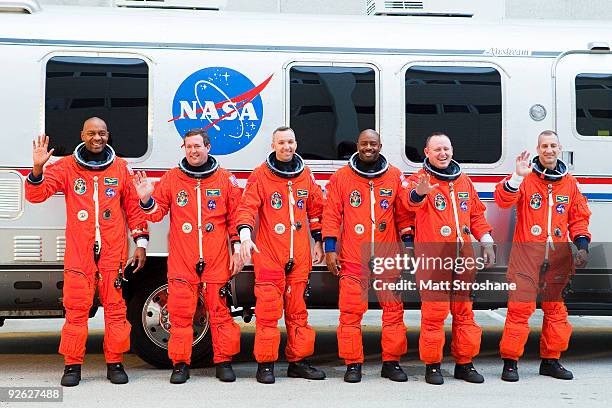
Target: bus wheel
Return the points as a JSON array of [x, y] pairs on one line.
[[149, 317]]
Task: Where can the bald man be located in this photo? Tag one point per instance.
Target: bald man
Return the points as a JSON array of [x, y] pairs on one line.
[[366, 212], [448, 213], [100, 199]]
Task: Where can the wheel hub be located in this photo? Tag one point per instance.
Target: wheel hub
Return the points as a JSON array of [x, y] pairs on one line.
[[156, 318]]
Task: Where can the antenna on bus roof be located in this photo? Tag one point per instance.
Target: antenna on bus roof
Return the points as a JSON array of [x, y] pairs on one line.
[[173, 4], [20, 6], [437, 8]]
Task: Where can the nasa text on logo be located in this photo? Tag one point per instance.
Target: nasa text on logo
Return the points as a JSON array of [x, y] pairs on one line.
[[224, 102]]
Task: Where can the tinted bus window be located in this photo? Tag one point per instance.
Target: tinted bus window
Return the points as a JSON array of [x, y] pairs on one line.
[[594, 104], [463, 102], [114, 89], [329, 106]]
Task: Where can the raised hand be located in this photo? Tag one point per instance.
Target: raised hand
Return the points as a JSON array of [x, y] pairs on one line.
[[144, 188], [423, 186], [40, 155], [523, 167]]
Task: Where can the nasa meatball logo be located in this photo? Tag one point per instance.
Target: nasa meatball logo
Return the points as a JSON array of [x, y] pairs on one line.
[[224, 102]]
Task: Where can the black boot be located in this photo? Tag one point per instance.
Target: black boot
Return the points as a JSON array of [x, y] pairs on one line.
[[72, 375], [225, 372], [468, 373], [180, 373], [510, 371], [301, 369], [393, 371], [433, 374], [116, 374], [265, 373], [353, 373], [552, 368]]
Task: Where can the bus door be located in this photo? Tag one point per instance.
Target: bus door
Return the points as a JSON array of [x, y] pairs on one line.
[[583, 120]]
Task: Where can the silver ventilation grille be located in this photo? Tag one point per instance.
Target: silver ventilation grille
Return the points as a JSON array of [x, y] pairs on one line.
[[11, 195], [437, 8], [404, 5], [60, 248], [27, 248]]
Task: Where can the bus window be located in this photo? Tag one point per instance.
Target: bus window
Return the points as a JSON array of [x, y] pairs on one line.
[[114, 89], [329, 106], [594, 104], [464, 102]]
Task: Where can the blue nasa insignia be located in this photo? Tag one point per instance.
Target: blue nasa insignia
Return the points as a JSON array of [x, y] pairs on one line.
[[212, 204], [560, 208], [110, 192], [384, 204], [224, 102], [300, 204]]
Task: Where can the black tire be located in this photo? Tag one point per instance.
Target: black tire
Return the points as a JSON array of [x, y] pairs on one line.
[[149, 337]]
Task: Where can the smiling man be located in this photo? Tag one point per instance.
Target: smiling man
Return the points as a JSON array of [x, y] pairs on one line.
[[100, 198], [366, 211], [283, 193], [447, 213], [550, 211], [202, 199]]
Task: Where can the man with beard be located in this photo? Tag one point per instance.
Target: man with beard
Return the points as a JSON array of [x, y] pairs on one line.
[[366, 206], [202, 199], [550, 210], [447, 213], [284, 194], [97, 187]]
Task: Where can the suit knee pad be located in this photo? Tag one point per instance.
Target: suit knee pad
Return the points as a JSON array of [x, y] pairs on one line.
[[269, 303], [352, 298], [182, 300], [77, 296], [434, 313]]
